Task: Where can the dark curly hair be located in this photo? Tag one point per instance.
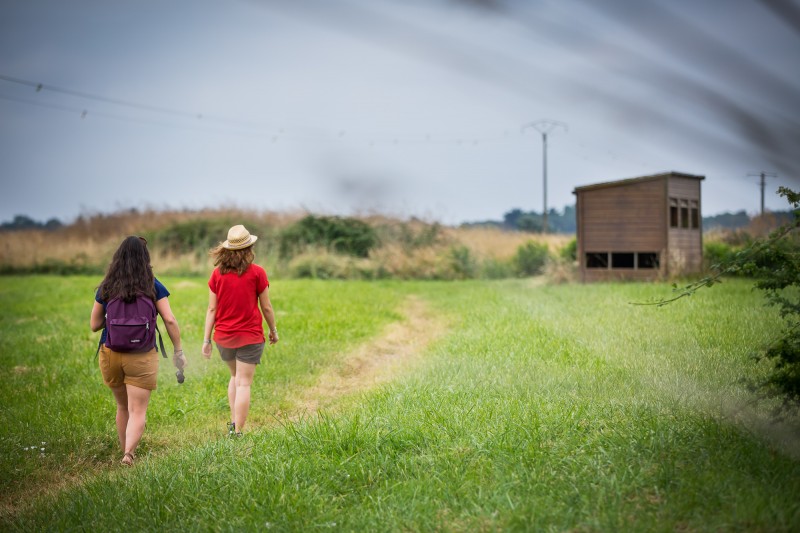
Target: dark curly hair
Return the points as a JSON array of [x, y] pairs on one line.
[[129, 273], [232, 260]]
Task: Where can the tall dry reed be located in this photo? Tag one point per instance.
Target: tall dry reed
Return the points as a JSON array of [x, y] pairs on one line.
[[409, 249]]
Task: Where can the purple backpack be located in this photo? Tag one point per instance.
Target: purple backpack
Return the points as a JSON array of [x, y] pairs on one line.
[[131, 326]]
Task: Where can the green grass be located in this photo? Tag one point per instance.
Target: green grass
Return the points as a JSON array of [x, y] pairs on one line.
[[543, 408]]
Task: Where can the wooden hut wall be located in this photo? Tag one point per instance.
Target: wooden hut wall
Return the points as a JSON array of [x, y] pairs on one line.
[[620, 219], [685, 237]]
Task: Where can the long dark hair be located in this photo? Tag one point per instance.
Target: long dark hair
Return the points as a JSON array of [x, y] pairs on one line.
[[129, 273]]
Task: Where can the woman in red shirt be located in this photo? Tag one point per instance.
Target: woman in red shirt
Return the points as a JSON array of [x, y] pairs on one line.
[[238, 297]]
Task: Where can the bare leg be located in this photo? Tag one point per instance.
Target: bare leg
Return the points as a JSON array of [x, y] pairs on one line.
[[232, 388], [244, 378], [138, 399], [121, 397]]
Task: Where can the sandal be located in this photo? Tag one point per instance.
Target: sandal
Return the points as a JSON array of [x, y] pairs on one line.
[[127, 459]]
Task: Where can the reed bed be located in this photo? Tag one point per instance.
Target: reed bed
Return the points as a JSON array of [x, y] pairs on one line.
[[408, 249]]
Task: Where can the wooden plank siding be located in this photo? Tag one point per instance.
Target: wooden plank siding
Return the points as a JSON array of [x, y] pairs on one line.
[[624, 219], [633, 217], [685, 245]]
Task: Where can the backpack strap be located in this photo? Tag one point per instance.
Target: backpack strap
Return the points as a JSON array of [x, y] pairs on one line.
[[160, 342]]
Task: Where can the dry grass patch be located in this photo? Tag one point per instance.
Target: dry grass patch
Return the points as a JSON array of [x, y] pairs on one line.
[[501, 244]]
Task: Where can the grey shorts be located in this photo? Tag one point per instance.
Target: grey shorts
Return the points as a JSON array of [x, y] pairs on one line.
[[249, 353]]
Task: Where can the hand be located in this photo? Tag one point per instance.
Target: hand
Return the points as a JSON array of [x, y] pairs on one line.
[[206, 350], [179, 360], [273, 336]]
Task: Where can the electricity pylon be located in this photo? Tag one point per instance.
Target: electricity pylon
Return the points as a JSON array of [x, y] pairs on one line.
[[544, 127], [763, 184]]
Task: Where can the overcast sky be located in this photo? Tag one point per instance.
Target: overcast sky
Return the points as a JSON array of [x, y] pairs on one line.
[[408, 108]]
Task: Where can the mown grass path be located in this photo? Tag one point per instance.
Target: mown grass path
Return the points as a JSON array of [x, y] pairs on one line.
[[375, 362], [531, 407]]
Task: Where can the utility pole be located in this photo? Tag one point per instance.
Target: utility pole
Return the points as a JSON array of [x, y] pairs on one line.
[[763, 184], [544, 127]]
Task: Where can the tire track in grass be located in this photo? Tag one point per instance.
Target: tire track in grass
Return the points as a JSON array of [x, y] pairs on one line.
[[380, 360]]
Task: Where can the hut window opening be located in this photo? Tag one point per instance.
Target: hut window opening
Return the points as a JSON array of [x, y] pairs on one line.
[[694, 214], [622, 260], [647, 260], [597, 260], [684, 213], [673, 212]]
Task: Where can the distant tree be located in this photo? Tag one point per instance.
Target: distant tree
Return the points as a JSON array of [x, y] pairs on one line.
[[52, 224], [511, 218], [22, 222], [736, 220], [531, 221]]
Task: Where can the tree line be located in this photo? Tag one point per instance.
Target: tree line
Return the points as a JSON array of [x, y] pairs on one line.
[[565, 221]]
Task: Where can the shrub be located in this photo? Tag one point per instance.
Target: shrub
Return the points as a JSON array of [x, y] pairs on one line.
[[462, 263], [570, 251], [492, 268], [530, 259], [561, 271], [342, 235], [195, 236], [415, 235], [717, 253]]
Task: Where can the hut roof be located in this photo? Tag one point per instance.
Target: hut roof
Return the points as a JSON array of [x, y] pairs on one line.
[[630, 181]]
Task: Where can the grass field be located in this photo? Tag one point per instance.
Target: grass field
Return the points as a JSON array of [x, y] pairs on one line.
[[468, 406]]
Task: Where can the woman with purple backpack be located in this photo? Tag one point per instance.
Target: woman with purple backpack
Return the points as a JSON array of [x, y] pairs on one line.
[[125, 308]]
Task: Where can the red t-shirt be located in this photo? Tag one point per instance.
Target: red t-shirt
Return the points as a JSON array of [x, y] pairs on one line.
[[238, 319]]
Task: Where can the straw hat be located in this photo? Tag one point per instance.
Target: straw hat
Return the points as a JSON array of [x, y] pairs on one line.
[[238, 238]]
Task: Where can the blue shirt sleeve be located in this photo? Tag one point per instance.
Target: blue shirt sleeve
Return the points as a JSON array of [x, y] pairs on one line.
[[161, 290]]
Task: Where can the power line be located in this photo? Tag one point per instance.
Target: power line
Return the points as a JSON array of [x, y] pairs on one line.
[[88, 96], [252, 128]]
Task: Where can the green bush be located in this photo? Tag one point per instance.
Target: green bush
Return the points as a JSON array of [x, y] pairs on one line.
[[196, 236], [717, 253], [492, 268], [530, 259], [462, 263], [413, 236], [570, 251], [342, 235]]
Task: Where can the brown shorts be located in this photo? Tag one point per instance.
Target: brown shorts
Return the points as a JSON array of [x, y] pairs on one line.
[[137, 369], [250, 353]]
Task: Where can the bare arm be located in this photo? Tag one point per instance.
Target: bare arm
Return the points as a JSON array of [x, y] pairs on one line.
[[170, 322], [98, 320], [211, 314], [269, 315]]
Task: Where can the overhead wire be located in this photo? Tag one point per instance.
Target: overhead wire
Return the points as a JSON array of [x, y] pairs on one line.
[[200, 122]]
